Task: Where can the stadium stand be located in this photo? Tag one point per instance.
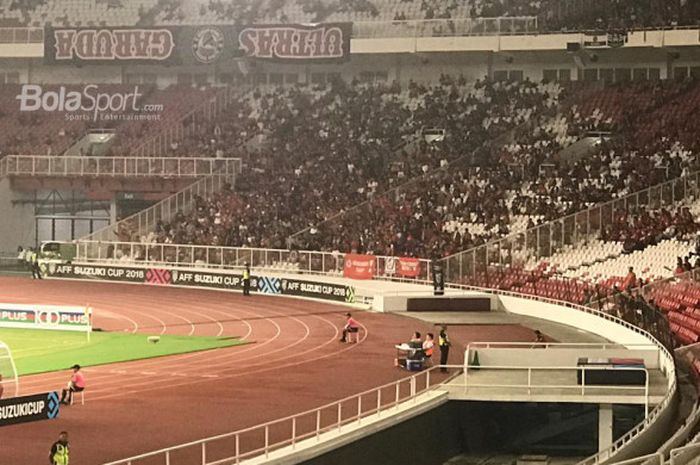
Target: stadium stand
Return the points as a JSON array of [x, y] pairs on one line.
[[546, 188], [74, 12], [52, 132], [475, 202], [39, 133], [321, 125], [552, 15]]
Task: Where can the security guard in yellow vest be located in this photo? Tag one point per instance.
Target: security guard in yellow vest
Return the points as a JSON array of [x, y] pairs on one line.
[[246, 279], [36, 271], [444, 345], [60, 452]]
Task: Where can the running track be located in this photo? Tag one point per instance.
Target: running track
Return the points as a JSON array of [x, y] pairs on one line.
[[293, 363]]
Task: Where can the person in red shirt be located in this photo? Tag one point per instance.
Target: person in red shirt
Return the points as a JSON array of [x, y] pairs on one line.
[[76, 384], [630, 280], [351, 327]]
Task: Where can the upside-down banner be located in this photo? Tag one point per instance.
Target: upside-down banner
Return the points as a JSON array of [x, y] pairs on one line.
[[296, 42], [110, 45], [197, 45]]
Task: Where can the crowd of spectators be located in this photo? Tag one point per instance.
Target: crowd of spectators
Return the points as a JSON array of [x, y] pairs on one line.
[[601, 15], [456, 209], [324, 150], [567, 15], [53, 132], [641, 227], [327, 149]]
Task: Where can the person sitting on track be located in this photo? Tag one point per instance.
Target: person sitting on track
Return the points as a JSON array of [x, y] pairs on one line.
[[428, 345], [76, 384], [351, 327], [412, 350], [416, 342]]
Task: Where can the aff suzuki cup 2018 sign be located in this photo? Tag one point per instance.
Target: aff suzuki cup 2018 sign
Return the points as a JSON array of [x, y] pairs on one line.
[[24, 409], [45, 317], [89, 103]]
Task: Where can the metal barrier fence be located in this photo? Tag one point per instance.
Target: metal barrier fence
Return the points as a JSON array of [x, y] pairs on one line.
[[144, 222], [21, 35], [686, 455], [445, 27], [544, 240], [186, 167], [639, 313], [262, 440], [650, 459], [538, 380], [296, 261]]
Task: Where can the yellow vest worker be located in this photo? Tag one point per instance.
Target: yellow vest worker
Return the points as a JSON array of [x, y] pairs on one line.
[[246, 280], [60, 451], [36, 270]]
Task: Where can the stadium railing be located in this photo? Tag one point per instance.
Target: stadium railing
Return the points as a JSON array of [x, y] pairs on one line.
[[650, 459], [543, 241], [169, 167], [21, 35], [142, 223], [533, 387], [686, 454], [262, 440], [281, 260]]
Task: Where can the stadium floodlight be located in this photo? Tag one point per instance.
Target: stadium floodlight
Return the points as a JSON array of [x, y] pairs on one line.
[[8, 370]]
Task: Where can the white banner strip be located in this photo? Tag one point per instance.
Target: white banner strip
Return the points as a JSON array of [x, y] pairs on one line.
[[52, 317]]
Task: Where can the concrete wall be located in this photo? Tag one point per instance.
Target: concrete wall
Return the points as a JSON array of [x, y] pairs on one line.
[[557, 357], [398, 302], [386, 62], [656, 432], [471, 428], [17, 225], [588, 322]]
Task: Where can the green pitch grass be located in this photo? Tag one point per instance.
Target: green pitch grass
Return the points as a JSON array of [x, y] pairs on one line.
[[38, 351]]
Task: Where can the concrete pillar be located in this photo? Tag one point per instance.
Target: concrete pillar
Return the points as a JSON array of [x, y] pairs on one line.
[[113, 208], [605, 426]]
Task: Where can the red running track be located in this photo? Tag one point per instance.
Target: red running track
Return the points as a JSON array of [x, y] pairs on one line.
[[294, 363]]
